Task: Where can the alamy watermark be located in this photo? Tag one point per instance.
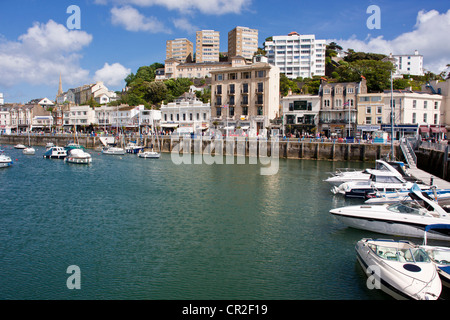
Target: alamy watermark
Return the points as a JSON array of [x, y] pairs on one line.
[[74, 21], [374, 21], [210, 150], [374, 277], [74, 280]]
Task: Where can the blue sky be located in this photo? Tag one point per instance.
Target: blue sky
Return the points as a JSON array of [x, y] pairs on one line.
[[119, 36]]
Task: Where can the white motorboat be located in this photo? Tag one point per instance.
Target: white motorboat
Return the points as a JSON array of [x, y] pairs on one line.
[[379, 181], [5, 161], [111, 150], [133, 148], [442, 196], [407, 219], [78, 156], [29, 151], [55, 152], [19, 146], [149, 154], [342, 176], [399, 268], [439, 255]]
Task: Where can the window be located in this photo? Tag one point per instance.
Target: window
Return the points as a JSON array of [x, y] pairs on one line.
[[369, 110], [350, 90], [436, 119], [379, 120], [414, 120], [245, 88], [260, 87], [218, 112], [425, 104], [425, 117], [414, 104], [260, 111], [436, 105], [245, 111], [338, 103], [368, 120], [219, 89], [379, 110]]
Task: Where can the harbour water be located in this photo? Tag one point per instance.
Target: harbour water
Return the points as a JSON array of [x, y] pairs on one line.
[[151, 229]]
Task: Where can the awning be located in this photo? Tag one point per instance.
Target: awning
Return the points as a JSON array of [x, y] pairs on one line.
[[424, 129], [169, 125], [435, 130]]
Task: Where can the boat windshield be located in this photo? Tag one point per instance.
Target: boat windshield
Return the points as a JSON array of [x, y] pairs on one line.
[[386, 179], [408, 208], [441, 256], [413, 255]]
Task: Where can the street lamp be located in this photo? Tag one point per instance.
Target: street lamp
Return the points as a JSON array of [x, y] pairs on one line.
[[392, 60]]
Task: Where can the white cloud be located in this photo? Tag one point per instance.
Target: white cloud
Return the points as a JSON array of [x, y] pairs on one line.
[[185, 25], [217, 7], [40, 55], [112, 75], [133, 20], [428, 37]]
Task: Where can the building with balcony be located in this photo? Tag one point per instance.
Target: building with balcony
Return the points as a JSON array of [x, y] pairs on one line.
[[245, 96], [300, 114], [297, 55], [186, 114], [338, 112], [242, 41]]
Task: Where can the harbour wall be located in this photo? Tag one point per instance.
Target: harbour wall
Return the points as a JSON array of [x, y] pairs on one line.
[[434, 162], [288, 149]]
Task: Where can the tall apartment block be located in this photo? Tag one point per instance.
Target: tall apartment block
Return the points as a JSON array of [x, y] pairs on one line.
[[242, 41], [179, 49], [411, 64], [297, 55], [207, 46]]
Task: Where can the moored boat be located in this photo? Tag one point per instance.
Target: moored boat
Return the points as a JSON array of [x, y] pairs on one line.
[[78, 156], [55, 152], [149, 154], [112, 150], [19, 146], [399, 268], [29, 151], [439, 255], [5, 161], [407, 219]]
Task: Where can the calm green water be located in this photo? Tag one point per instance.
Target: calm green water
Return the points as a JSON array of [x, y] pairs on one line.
[[150, 229]]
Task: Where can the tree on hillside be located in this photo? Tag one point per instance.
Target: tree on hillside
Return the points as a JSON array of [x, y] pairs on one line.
[[176, 87], [146, 73], [376, 72]]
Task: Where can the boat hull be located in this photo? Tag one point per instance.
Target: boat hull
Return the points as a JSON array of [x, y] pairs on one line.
[[400, 280], [396, 225], [78, 160]]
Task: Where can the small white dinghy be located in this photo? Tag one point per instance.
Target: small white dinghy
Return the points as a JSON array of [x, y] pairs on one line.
[[399, 268]]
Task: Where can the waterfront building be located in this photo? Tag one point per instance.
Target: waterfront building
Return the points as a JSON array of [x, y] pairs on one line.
[[407, 64], [149, 120], [78, 116], [415, 113], [186, 114], [245, 96], [2, 101], [441, 88], [179, 49], [207, 46], [242, 41], [297, 55], [5, 119], [339, 107], [41, 118], [300, 113]]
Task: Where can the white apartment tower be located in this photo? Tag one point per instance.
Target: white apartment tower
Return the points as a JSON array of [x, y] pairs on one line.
[[410, 64], [242, 41], [297, 55], [207, 46], [1, 99]]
